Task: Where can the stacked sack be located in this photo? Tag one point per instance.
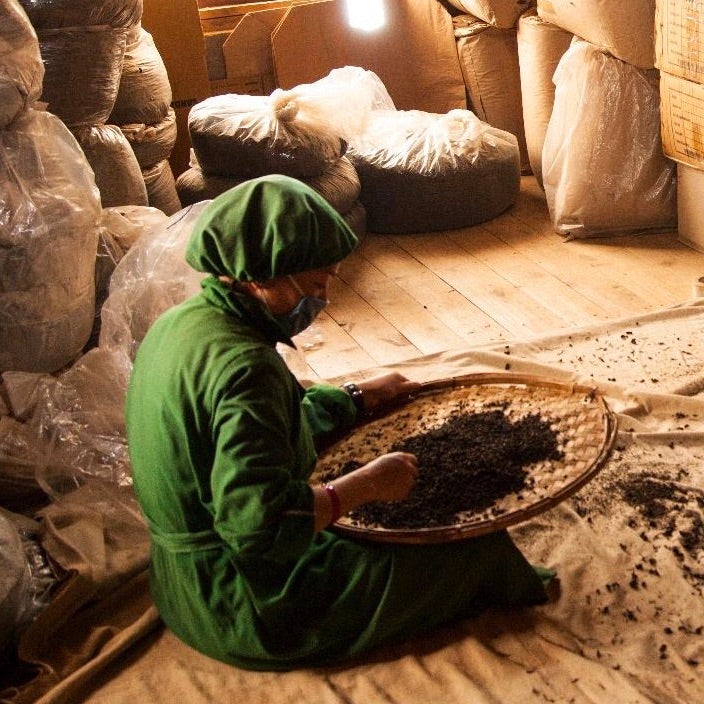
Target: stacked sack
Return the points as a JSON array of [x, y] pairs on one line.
[[82, 44], [603, 166], [144, 114], [541, 45], [299, 133], [49, 215], [486, 39]]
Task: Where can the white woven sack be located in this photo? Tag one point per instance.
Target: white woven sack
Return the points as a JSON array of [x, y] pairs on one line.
[[161, 188], [52, 14], [152, 143], [540, 48]]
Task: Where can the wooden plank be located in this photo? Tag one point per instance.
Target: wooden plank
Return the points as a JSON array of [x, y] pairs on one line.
[[336, 353], [405, 313], [597, 279], [529, 276], [510, 306], [384, 343]]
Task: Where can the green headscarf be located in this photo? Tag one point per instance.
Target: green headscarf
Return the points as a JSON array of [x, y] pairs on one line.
[[268, 227]]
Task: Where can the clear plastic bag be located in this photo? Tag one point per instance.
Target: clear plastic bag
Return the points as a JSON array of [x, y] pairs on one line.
[[50, 14], [21, 67], [49, 217], [296, 132], [430, 144], [604, 171], [152, 277]]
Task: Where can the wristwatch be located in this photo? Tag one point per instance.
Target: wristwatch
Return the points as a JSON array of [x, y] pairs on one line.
[[356, 394]]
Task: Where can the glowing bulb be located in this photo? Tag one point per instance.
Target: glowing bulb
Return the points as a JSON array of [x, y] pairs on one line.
[[366, 15]]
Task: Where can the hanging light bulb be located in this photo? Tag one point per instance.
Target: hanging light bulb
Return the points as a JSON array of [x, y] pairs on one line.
[[366, 15]]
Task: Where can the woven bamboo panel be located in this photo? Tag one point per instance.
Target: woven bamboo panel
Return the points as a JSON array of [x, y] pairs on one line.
[[584, 426]]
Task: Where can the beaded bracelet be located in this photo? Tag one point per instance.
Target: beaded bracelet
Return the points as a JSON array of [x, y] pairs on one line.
[[335, 509]]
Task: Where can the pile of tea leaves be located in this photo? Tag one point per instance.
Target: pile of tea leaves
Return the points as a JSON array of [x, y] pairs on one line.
[[465, 465]]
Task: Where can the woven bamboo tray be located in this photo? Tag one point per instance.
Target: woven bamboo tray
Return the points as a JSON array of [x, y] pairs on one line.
[[584, 426]]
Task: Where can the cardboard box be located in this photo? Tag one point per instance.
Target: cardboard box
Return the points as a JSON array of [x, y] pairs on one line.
[[175, 27], [690, 215], [679, 39], [682, 120]]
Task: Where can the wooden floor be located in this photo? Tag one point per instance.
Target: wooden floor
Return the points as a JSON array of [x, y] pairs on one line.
[[403, 296]]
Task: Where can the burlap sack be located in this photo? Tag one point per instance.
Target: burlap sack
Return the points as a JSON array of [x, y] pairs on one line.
[[623, 28], [540, 48], [489, 62], [52, 14], [161, 187], [144, 93], [500, 13], [21, 67], [82, 72], [152, 143], [117, 173]]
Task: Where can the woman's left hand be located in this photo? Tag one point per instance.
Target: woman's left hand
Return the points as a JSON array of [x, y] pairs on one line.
[[386, 388]]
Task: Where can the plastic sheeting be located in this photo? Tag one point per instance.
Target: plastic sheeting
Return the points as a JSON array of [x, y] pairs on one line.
[[150, 278], [604, 171], [297, 133], [21, 67], [423, 172], [49, 216]]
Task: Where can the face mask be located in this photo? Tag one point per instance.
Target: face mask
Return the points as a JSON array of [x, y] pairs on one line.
[[302, 315]]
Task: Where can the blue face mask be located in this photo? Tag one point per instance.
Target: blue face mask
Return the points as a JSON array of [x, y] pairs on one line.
[[303, 313]]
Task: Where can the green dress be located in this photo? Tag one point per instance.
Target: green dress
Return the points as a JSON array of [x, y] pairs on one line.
[[221, 437]]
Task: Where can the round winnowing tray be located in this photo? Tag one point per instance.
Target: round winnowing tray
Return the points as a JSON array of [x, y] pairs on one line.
[[584, 427]]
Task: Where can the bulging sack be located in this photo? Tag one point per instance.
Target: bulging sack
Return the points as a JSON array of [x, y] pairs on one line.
[[603, 167], [21, 67], [49, 219]]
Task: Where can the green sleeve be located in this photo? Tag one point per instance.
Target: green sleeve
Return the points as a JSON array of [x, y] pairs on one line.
[[328, 409], [264, 453]]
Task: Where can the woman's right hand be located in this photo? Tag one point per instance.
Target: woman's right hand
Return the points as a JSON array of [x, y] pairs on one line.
[[389, 477]]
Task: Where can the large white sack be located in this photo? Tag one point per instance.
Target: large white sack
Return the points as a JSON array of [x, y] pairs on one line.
[[21, 67], [623, 28], [604, 171], [540, 48], [161, 187], [500, 13], [49, 218]]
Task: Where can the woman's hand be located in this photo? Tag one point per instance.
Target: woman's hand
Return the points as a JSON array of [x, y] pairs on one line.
[[385, 389], [389, 477]]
